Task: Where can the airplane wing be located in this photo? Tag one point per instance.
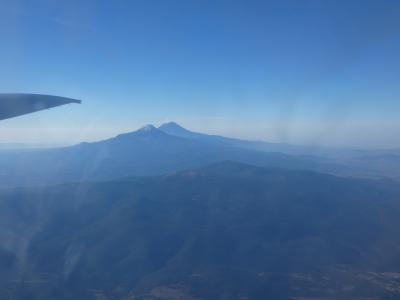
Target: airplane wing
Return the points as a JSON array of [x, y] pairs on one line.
[[13, 105]]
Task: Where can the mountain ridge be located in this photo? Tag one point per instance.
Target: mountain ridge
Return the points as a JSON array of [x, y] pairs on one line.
[[147, 151], [151, 151]]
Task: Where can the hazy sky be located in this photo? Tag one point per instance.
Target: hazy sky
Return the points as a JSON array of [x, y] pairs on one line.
[[291, 71]]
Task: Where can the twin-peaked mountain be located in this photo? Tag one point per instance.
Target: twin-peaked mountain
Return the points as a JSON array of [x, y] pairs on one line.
[[147, 151], [152, 151]]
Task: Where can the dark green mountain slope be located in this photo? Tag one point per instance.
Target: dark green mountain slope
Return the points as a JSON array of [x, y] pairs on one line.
[[228, 231]]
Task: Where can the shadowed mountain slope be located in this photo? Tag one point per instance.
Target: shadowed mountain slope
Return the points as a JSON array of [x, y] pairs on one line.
[[228, 231]]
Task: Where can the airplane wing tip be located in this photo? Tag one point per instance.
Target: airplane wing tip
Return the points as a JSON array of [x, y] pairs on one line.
[[13, 105]]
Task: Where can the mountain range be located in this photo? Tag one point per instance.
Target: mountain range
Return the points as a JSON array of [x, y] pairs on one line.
[[153, 151]]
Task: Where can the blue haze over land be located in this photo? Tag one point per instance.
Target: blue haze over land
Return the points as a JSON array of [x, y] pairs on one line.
[[201, 163], [307, 72]]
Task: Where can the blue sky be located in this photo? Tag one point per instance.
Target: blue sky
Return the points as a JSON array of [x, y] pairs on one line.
[[309, 72]]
